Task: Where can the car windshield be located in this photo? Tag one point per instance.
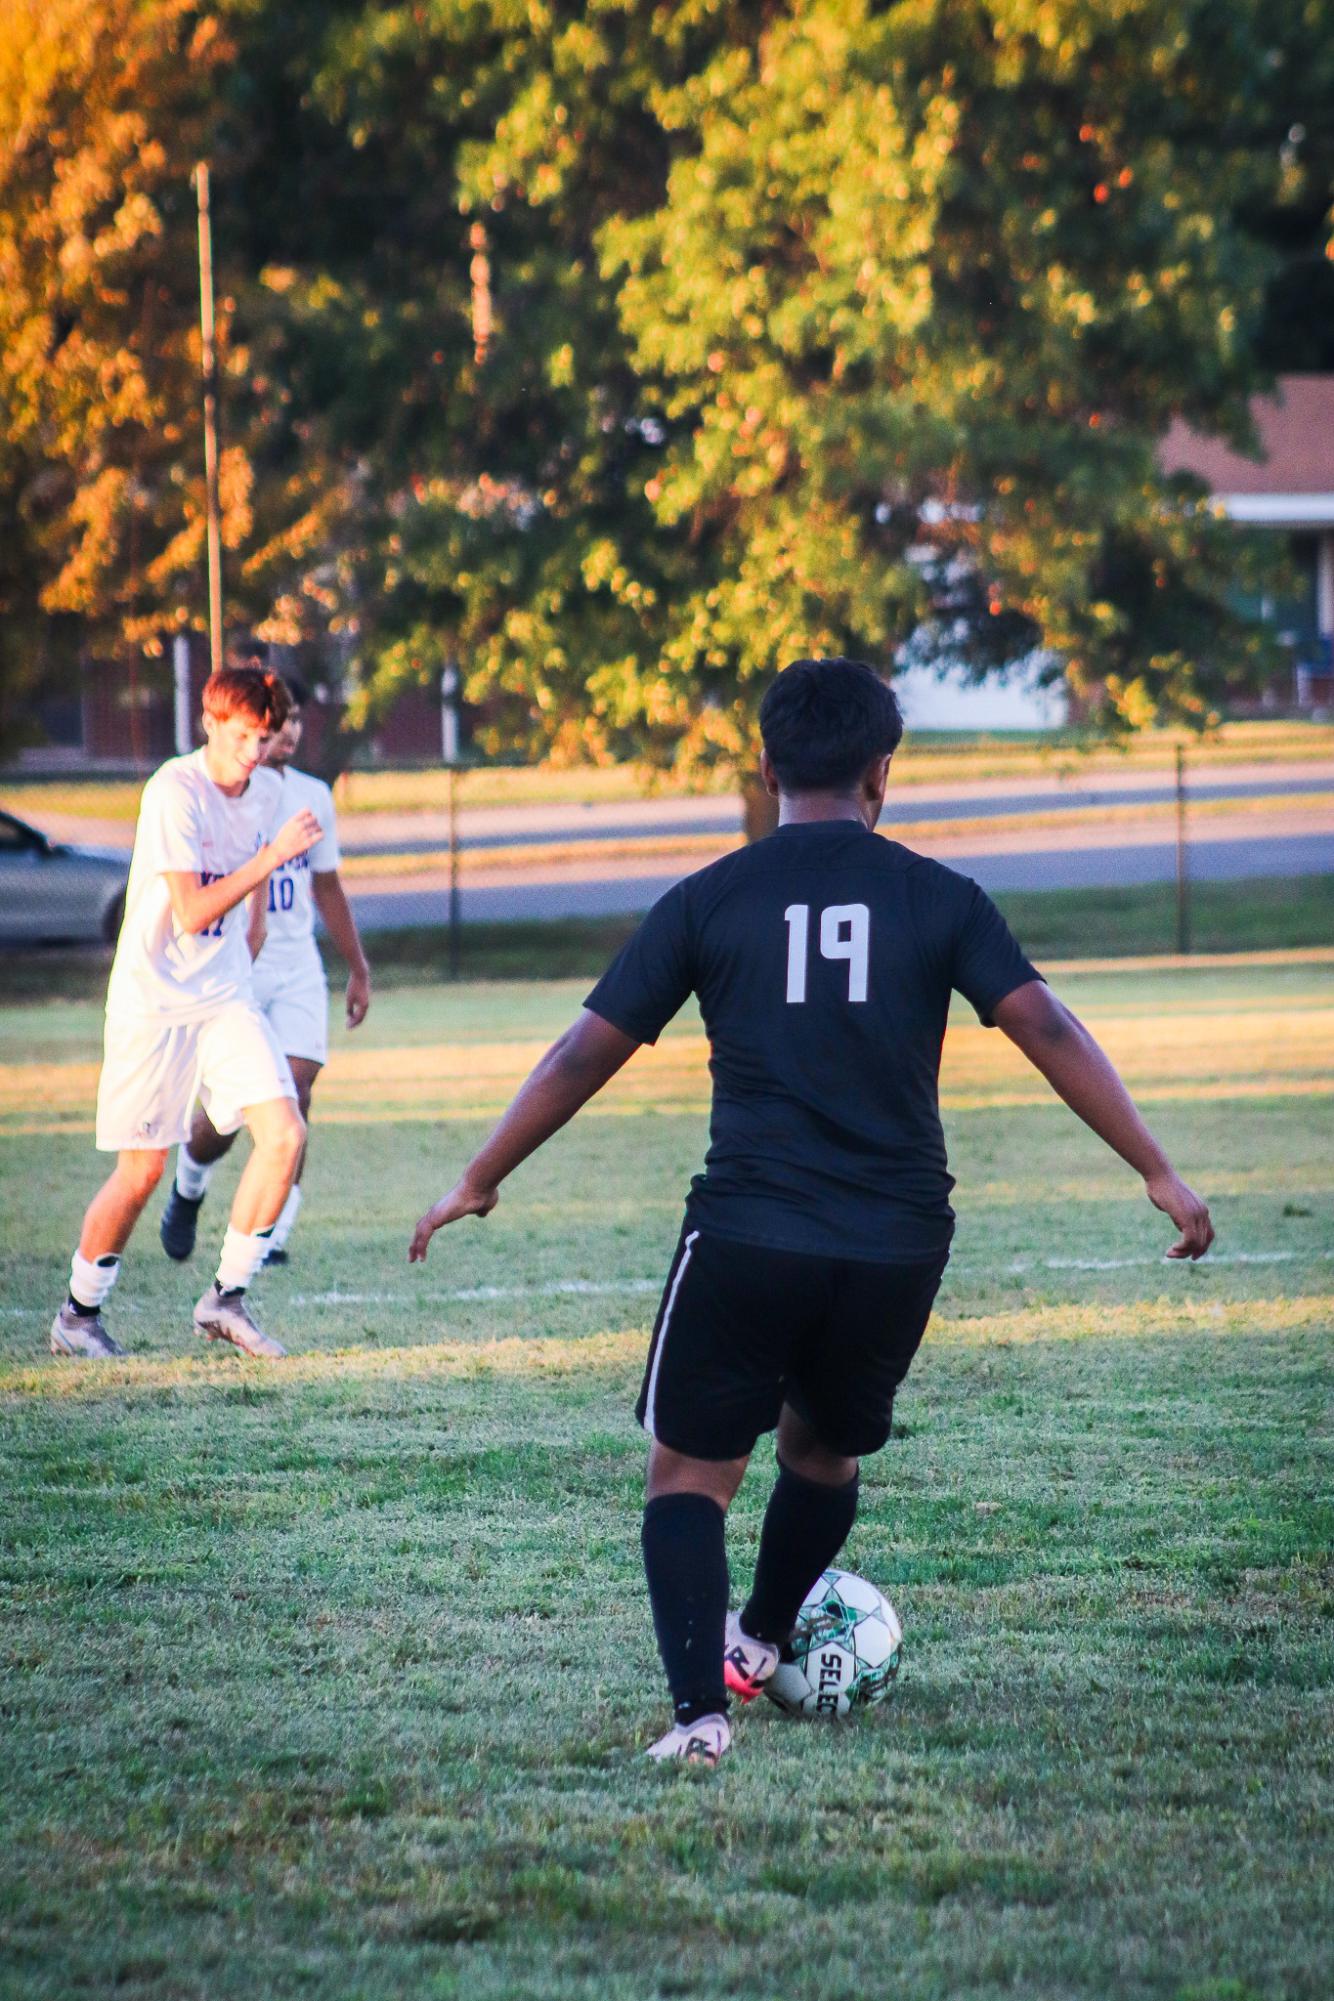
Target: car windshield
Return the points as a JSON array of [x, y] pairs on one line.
[[14, 834]]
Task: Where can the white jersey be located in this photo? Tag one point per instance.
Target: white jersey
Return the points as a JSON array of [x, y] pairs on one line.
[[289, 957], [186, 824]]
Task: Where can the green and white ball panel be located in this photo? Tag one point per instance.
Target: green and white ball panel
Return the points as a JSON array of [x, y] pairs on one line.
[[877, 1642], [857, 1593], [845, 1652]]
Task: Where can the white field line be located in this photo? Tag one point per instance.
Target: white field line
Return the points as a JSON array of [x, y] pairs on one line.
[[650, 1285], [613, 1288], [579, 1287]]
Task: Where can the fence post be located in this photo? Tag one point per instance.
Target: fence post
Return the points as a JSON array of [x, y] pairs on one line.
[[1183, 876], [455, 913]]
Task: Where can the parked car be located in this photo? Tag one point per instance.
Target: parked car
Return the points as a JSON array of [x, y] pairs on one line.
[[51, 892]]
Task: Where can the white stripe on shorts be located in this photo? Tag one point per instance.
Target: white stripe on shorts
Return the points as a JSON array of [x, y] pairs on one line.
[[652, 1395]]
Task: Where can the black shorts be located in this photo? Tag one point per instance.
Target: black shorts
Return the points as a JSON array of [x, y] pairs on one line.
[[742, 1330]]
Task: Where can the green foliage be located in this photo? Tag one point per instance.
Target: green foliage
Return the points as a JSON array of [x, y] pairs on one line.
[[620, 353], [102, 109], [832, 328]]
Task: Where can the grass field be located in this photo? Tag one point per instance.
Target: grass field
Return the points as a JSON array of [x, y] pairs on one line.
[[331, 1680]]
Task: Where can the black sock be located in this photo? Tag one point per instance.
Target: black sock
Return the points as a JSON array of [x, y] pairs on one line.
[[685, 1561], [85, 1312], [805, 1526]]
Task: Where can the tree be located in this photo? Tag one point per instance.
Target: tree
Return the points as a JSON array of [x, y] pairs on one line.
[[619, 352], [827, 327], [105, 106], [96, 295]]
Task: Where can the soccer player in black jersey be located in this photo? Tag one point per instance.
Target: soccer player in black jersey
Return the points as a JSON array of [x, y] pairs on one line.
[[815, 1238]]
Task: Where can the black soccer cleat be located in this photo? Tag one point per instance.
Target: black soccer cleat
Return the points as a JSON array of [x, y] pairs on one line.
[[180, 1221], [277, 1256]]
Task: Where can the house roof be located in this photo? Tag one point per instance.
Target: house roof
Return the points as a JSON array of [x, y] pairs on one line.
[[1296, 432]]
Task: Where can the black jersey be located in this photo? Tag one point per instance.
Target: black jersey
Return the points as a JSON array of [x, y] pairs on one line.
[[823, 958]]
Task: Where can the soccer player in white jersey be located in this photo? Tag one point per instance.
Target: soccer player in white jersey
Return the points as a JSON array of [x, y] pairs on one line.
[[290, 985], [181, 1016]]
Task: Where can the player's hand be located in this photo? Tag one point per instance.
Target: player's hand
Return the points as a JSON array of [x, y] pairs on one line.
[[462, 1200], [358, 996], [296, 837], [1188, 1211]]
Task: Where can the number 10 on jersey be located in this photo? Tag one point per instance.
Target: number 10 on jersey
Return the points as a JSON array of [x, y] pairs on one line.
[[845, 933]]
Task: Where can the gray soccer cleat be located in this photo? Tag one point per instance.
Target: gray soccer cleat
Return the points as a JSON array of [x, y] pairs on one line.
[[83, 1335], [221, 1316], [747, 1663], [701, 1743]]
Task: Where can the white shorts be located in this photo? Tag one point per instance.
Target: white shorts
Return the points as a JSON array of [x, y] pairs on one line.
[[152, 1072], [298, 1014]]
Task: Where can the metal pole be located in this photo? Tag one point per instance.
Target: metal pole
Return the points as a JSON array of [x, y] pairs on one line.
[[449, 715], [455, 914], [449, 750], [1183, 879], [180, 674], [209, 370]]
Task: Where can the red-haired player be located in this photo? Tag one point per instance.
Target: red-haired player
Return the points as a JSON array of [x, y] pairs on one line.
[[181, 1018]]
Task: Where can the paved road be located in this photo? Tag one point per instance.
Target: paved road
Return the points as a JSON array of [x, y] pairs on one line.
[[483, 827], [518, 826], [595, 890], [1285, 839]]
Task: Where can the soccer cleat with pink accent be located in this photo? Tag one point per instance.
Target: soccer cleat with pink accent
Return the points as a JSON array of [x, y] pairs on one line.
[[747, 1663], [703, 1742], [224, 1316]]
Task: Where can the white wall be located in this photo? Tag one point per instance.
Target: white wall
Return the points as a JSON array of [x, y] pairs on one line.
[[951, 702]]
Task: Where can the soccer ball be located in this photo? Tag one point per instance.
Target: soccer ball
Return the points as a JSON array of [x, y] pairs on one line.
[[844, 1653]]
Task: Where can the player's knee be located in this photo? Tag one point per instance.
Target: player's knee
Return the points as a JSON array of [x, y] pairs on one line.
[[141, 1172], [282, 1136], [826, 1467], [293, 1136], [828, 1446]]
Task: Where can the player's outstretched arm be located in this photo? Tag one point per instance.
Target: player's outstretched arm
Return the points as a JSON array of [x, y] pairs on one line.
[[1057, 1043], [572, 1071], [333, 906], [197, 904]]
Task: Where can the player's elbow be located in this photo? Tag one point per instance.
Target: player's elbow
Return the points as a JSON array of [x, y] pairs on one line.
[[1036, 1020], [1056, 1025], [568, 1059]]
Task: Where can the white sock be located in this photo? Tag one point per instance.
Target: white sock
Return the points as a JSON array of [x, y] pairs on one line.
[[192, 1176], [90, 1282], [282, 1229], [241, 1258]]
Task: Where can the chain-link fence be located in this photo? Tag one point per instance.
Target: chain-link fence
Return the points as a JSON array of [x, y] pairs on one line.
[[453, 870]]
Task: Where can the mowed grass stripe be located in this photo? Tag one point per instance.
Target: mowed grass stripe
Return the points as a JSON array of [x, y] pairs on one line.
[[618, 1348], [1251, 1052]]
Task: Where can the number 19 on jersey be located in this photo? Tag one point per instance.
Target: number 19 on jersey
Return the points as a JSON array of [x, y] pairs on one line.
[[845, 933]]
